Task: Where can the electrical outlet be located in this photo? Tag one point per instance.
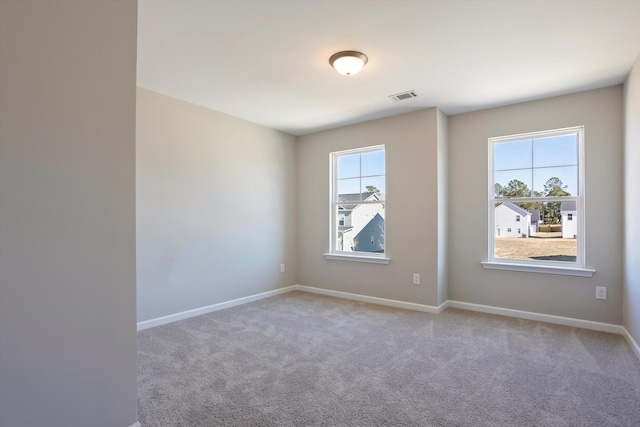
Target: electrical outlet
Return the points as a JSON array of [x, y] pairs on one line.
[[282, 268], [416, 278], [601, 292]]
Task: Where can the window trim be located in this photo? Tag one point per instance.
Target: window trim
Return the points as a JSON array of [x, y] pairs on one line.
[[342, 256], [332, 253], [564, 271], [577, 268]]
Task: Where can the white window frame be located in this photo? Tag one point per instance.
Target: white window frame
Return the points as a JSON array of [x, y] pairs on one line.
[[577, 268], [333, 253]]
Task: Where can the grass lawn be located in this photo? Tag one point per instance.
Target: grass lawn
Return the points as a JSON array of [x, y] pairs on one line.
[[545, 246]]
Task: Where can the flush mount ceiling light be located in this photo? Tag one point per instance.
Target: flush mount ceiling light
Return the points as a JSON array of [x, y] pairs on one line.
[[348, 62]]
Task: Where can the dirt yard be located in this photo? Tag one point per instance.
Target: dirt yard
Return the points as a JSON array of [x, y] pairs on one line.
[[545, 246]]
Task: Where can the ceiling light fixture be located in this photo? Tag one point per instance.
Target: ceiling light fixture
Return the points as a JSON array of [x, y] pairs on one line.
[[348, 62]]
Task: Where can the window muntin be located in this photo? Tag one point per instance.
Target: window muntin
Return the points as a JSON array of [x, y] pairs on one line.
[[536, 180], [358, 194]]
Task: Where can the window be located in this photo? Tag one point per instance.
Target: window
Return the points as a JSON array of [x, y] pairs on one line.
[[537, 181], [358, 193]]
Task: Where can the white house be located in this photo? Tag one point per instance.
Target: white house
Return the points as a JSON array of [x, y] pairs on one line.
[[569, 215], [512, 221], [535, 222], [353, 217], [371, 237]]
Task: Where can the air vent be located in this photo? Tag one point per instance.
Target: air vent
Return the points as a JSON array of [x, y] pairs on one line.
[[404, 95]]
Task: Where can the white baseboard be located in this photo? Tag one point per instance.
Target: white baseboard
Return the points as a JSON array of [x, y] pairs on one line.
[[549, 318], [374, 300], [211, 308], [634, 345], [136, 424]]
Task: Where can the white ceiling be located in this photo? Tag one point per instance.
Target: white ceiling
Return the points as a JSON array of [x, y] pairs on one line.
[[266, 61]]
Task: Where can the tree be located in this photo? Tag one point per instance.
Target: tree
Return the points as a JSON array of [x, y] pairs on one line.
[[373, 189], [516, 188], [554, 187]]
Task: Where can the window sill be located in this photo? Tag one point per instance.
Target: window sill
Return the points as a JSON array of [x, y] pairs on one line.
[[358, 258], [547, 269]]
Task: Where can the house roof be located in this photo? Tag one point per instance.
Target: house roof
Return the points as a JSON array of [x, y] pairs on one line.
[[569, 205], [355, 197], [535, 215], [516, 209]]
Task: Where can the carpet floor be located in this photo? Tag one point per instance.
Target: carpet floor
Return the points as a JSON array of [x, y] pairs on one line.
[[300, 359]]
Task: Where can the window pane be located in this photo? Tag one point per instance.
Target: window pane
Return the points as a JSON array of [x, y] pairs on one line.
[[349, 166], [516, 183], [541, 233], [512, 155], [373, 184], [360, 228], [349, 189], [373, 163], [556, 151], [559, 181]]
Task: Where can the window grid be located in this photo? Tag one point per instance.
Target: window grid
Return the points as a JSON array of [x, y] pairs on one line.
[[338, 220], [578, 198]]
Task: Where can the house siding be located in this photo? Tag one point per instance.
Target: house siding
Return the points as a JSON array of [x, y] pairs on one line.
[[507, 224]]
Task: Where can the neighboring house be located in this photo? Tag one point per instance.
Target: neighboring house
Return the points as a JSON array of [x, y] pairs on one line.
[[535, 221], [569, 213], [348, 203], [354, 217], [512, 221], [371, 237]]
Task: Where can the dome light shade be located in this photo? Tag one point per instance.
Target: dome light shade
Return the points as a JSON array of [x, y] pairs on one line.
[[348, 62]]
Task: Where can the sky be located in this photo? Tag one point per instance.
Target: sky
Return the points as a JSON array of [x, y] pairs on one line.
[[534, 161], [357, 171]]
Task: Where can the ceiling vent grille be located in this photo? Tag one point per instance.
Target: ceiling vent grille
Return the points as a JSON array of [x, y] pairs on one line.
[[404, 95]]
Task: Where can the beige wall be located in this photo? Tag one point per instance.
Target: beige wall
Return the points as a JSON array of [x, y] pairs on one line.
[[411, 142], [216, 207], [631, 301], [67, 213], [600, 111]]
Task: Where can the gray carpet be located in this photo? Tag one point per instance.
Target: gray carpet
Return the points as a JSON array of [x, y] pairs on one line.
[[301, 359]]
